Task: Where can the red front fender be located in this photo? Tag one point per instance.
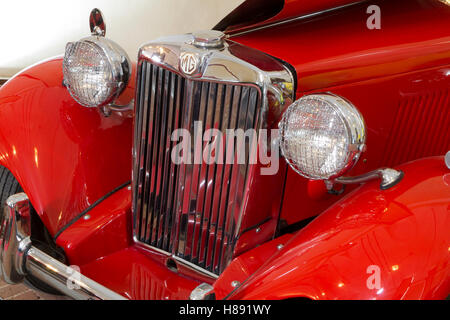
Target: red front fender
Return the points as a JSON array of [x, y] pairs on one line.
[[373, 244], [65, 156]]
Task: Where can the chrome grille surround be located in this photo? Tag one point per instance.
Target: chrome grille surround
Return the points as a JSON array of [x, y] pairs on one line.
[[230, 84]]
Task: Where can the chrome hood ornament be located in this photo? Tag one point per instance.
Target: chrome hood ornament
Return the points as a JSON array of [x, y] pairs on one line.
[[209, 39], [97, 23]]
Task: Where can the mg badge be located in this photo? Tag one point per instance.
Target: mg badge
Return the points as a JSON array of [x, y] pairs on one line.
[[188, 63]]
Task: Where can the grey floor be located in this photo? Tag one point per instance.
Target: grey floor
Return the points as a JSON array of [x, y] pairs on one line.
[[22, 292]]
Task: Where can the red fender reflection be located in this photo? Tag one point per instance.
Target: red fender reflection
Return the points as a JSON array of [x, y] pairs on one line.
[[399, 235], [65, 156]]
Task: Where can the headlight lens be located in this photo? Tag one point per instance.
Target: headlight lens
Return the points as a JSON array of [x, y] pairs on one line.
[[322, 136], [96, 70]]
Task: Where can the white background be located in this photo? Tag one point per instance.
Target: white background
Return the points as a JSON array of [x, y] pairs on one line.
[[32, 30]]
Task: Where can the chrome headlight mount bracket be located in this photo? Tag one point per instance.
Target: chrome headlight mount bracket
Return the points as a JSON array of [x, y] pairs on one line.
[[389, 178]]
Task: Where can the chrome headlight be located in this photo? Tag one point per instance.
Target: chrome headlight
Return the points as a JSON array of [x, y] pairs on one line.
[[96, 70], [322, 136]]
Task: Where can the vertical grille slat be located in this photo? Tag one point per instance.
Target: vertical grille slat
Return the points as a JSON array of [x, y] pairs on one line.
[[239, 179], [225, 123], [165, 204], [188, 167], [179, 106], [212, 95], [210, 211], [190, 210], [227, 215], [198, 224], [181, 177], [137, 151], [144, 145], [209, 119], [165, 149], [151, 167], [156, 159]]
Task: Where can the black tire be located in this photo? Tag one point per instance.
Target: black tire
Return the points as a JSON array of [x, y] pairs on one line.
[[9, 186]]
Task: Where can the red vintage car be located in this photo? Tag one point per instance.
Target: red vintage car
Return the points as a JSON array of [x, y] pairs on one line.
[[298, 150]]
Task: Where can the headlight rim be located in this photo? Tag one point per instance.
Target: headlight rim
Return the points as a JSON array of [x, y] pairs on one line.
[[356, 131], [119, 63]]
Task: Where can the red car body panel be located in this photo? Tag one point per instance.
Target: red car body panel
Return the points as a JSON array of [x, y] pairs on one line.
[[135, 275], [403, 231], [61, 153], [335, 48], [104, 230], [66, 157], [395, 121], [408, 61]]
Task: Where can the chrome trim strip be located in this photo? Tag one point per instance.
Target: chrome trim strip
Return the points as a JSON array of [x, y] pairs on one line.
[[447, 159], [279, 23], [181, 261], [195, 267], [65, 279]]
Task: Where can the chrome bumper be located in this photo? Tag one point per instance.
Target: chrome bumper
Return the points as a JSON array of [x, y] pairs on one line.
[[19, 258]]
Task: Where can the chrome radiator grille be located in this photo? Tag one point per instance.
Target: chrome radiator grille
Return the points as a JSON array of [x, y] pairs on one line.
[[190, 211]]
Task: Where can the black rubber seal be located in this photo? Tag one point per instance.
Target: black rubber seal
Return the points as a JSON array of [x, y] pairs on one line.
[[254, 227], [71, 222]]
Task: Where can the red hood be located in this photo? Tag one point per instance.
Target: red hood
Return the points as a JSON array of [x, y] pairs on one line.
[[254, 13]]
